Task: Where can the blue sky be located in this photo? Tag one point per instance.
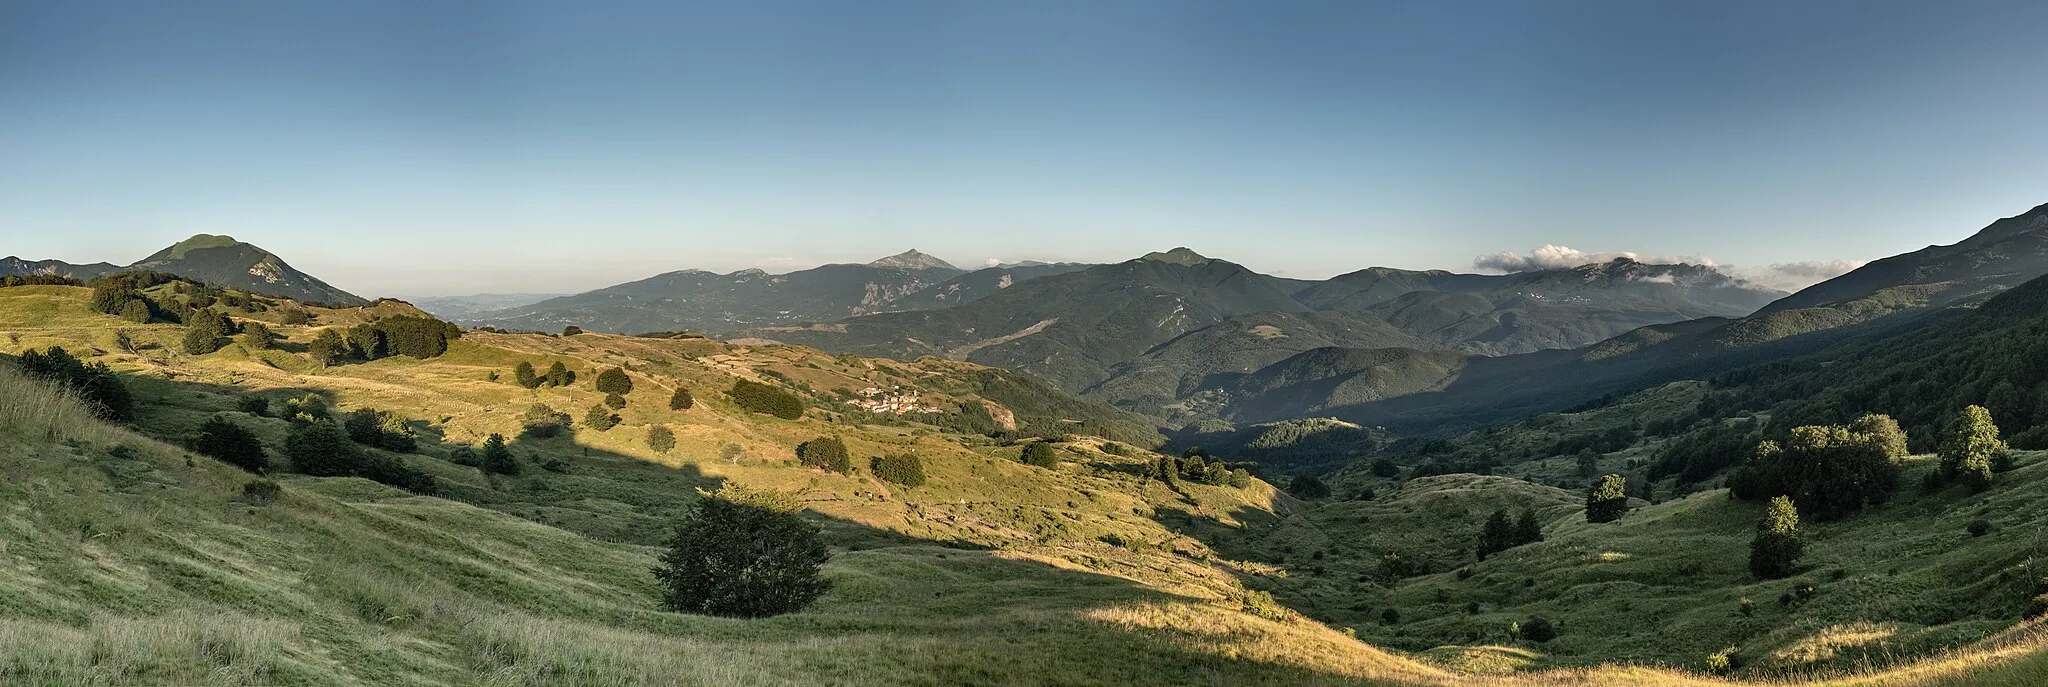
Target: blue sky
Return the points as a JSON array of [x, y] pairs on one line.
[[420, 148]]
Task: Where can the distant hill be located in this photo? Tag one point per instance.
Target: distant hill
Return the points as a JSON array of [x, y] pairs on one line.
[[223, 261], [11, 266], [217, 260], [724, 304], [1537, 310], [1070, 328]]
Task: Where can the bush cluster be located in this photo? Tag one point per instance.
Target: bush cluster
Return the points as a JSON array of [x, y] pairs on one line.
[[762, 398]]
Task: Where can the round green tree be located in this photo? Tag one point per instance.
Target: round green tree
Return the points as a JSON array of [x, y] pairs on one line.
[[660, 439], [743, 554], [1969, 446]]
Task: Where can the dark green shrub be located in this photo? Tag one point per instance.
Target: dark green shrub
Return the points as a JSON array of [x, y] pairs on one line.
[[600, 418], [614, 401], [1978, 527], [902, 468], [762, 398], [744, 555], [825, 452], [320, 449], [497, 457], [232, 444], [681, 399], [523, 375], [1040, 454], [254, 405], [614, 381], [660, 439], [1538, 630], [1308, 487]]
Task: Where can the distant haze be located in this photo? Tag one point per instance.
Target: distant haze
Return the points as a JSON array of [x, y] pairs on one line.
[[398, 148]]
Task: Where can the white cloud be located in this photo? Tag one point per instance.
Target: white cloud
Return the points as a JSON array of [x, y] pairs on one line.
[[1793, 276], [1666, 278], [1551, 256], [992, 262]]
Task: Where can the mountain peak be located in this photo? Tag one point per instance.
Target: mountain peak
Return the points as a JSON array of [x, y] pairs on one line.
[[224, 261], [1177, 256], [913, 260], [177, 251]]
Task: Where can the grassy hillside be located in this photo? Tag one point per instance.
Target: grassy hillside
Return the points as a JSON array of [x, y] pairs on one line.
[[128, 560]]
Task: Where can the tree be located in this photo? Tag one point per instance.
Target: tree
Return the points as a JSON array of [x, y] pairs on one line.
[[327, 348], [1041, 455], [1308, 487], [257, 336], [543, 421], [201, 340], [559, 375], [614, 401], [825, 452], [571, 330], [681, 399], [1607, 501], [1496, 535], [1385, 468], [366, 342], [1968, 447], [743, 554], [600, 418], [415, 337], [1883, 432], [1829, 471], [614, 381], [524, 376], [762, 398], [136, 311], [1527, 529], [111, 297], [660, 439], [1777, 545], [321, 450], [232, 444], [497, 458], [902, 468], [295, 316]]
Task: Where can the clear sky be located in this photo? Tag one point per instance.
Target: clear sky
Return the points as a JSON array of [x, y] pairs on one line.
[[420, 147]]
